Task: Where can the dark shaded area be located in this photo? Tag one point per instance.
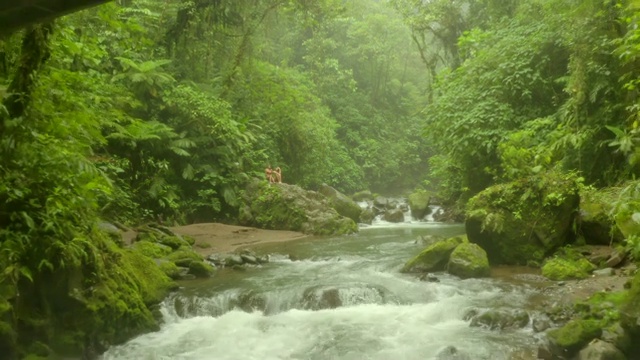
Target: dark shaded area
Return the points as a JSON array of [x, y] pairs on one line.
[[16, 14]]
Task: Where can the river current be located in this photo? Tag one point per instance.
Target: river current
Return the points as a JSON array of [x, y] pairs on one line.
[[336, 298]]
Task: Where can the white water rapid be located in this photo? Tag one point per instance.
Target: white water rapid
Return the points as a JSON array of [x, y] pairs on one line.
[[344, 299]]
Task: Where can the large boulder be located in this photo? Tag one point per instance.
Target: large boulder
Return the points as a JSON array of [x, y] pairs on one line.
[[342, 203], [419, 204], [289, 207], [435, 257], [523, 221], [596, 225], [394, 216], [468, 261], [565, 268], [572, 337]]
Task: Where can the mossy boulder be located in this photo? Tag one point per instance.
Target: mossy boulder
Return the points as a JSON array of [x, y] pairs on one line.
[[201, 269], [169, 268], [435, 257], [419, 204], [393, 215], [172, 241], [367, 216], [525, 220], [468, 261], [342, 203], [289, 207], [562, 268], [569, 339], [183, 256], [106, 301], [151, 249], [597, 226]]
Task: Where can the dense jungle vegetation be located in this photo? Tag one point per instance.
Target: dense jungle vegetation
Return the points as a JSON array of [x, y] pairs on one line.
[[149, 109]]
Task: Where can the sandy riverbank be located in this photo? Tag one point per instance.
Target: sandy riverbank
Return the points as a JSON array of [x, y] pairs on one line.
[[220, 238]]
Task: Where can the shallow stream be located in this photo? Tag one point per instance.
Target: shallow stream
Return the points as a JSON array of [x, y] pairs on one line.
[[339, 298]]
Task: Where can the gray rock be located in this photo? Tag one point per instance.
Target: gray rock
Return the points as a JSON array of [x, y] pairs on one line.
[[249, 259], [541, 324], [604, 272], [233, 259], [395, 216], [501, 319], [451, 353], [600, 350], [380, 202], [544, 353], [615, 259], [617, 336]]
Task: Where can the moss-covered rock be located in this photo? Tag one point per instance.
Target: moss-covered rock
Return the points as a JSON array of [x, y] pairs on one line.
[[500, 319], [289, 207], [169, 268], [630, 309], [597, 226], [393, 215], [561, 268], [183, 256], [174, 242], [106, 302], [152, 250], [419, 204], [434, 257], [342, 203], [524, 220], [573, 336], [201, 269], [468, 261], [367, 216]]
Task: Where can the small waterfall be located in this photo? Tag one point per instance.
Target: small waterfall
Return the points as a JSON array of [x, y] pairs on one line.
[[345, 300]]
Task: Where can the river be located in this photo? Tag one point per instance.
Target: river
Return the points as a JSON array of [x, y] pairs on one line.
[[340, 298]]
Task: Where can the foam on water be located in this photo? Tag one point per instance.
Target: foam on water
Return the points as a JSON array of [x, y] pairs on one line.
[[367, 331], [346, 300]]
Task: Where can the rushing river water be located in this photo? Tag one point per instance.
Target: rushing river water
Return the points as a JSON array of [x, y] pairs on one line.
[[340, 298]]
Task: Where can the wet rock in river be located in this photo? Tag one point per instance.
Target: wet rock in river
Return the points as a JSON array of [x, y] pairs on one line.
[[434, 257], [451, 353], [394, 216], [501, 319], [540, 323], [468, 261]]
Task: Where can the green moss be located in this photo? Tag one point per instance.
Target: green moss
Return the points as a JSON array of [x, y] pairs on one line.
[[173, 242], [575, 335], [523, 220], [152, 250], [169, 268], [201, 269], [113, 306], [434, 257], [469, 261], [419, 204], [184, 256], [189, 239], [152, 283], [559, 268]]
